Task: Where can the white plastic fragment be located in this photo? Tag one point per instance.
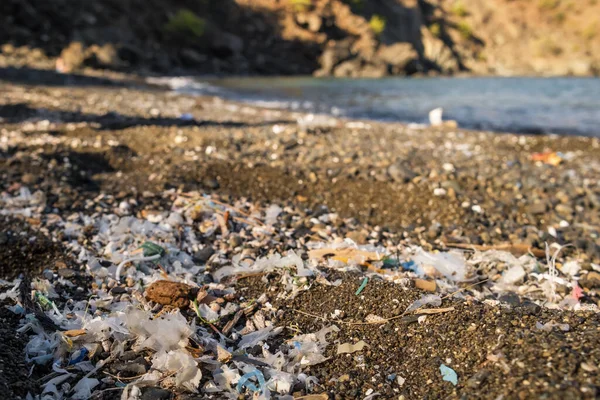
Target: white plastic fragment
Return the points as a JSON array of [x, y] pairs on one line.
[[435, 116], [548, 326], [267, 264], [258, 336], [432, 299], [513, 275], [351, 348], [128, 260], [83, 388], [308, 349], [450, 265], [169, 332], [272, 213], [207, 313], [570, 268], [187, 376]]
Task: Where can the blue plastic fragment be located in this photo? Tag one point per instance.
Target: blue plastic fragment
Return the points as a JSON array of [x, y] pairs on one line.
[[362, 286], [79, 357], [244, 381], [409, 266], [448, 374]]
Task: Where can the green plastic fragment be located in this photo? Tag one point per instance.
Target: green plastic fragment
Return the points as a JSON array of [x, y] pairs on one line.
[[43, 300], [390, 263], [362, 286], [152, 249]]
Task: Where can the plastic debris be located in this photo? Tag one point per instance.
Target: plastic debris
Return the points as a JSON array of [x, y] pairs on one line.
[[423, 284], [265, 265], [548, 326], [435, 116], [548, 157], [78, 356], [513, 275], [351, 348], [261, 335], [151, 249], [448, 374], [308, 349], [362, 286], [346, 254], [245, 383], [370, 395], [450, 265], [272, 213], [187, 373], [577, 292], [570, 268], [83, 388], [435, 119], [140, 314], [315, 121], [432, 299]]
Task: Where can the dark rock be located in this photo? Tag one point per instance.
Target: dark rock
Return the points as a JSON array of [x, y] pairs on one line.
[[3, 238], [211, 183], [202, 256], [226, 44], [400, 173], [136, 367], [477, 379], [530, 308], [156, 393], [235, 240], [192, 57], [118, 290], [334, 53], [511, 299]]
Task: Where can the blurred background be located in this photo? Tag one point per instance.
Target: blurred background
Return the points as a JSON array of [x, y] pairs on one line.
[[341, 39]]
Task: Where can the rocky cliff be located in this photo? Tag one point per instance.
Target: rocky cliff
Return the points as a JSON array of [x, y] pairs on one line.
[[348, 38]]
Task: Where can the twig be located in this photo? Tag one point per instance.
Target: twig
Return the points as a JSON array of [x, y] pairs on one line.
[[428, 311], [516, 249], [122, 378]]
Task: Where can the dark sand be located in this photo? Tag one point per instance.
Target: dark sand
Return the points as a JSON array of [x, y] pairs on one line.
[[131, 142]]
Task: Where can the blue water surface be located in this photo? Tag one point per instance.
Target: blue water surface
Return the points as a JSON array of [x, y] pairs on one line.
[[569, 106]]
